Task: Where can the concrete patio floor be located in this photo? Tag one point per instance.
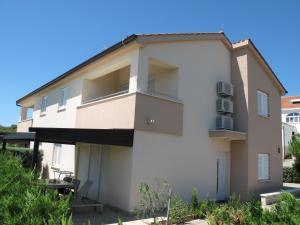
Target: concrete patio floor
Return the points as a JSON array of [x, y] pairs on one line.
[[110, 216]]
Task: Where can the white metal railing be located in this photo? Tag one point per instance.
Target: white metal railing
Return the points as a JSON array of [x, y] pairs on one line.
[[106, 96]]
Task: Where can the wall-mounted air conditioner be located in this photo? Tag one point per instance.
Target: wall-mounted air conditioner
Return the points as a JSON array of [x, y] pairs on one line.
[[224, 89], [224, 123], [224, 105]]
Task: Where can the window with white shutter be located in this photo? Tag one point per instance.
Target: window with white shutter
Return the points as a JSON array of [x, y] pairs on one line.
[[263, 166], [263, 104], [62, 98], [44, 104], [56, 155]]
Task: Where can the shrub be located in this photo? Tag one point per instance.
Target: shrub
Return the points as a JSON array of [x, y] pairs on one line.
[[205, 207], [288, 156], [24, 199], [285, 211], [289, 174], [194, 200], [26, 157], [153, 201], [179, 210]]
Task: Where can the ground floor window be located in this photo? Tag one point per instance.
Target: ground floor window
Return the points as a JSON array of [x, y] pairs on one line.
[[56, 155], [263, 166]]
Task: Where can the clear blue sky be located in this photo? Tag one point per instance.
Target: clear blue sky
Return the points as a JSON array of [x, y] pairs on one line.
[[40, 40]]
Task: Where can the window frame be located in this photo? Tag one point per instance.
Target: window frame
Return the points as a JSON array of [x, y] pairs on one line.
[[261, 173], [62, 99], [44, 105], [293, 117], [263, 103], [56, 162]]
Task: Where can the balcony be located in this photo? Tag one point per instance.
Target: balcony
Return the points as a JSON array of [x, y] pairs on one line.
[[137, 110], [24, 125]]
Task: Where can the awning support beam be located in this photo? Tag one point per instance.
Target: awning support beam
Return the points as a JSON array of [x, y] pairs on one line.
[[35, 151]]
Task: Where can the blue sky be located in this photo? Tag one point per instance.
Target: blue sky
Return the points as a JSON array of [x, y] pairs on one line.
[[40, 40]]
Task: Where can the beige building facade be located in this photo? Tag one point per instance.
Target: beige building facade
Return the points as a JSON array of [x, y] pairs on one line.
[[163, 86]]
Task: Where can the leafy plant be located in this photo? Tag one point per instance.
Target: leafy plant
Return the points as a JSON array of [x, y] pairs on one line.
[[294, 148], [179, 210], [25, 154], [205, 207], [288, 155], [153, 201], [24, 199], [194, 200], [120, 221], [289, 174]]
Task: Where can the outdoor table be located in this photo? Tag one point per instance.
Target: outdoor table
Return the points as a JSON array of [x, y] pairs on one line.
[[58, 184]]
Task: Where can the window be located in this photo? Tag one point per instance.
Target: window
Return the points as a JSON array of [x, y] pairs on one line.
[[263, 104], [263, 166], [293, 118], [62, 98], [44, 104], [56, 155]]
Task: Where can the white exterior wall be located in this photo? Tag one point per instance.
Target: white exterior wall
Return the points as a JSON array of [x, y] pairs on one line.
[[59, 119], [285, 112], [287, 134], [109, 168], [190, 160]]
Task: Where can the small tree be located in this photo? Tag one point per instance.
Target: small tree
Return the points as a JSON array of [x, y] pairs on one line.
[[194, 200], [153, 201], [294, 147]]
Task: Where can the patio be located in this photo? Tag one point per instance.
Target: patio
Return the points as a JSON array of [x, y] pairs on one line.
[[109, 216]]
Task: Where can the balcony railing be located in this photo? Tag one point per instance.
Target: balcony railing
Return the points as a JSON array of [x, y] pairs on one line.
[[24, 125], [132, 111], [106, 96]]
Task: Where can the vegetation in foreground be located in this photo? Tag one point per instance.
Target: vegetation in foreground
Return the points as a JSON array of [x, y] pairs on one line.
[[24, 199], [234, 212], [294, 148]]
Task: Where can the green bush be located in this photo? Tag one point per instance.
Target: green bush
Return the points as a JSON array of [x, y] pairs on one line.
[[205, 207], [26, 157], [288, 155], [179, 210], [194, 200], [24, 199], [289, 174], [285, 211]]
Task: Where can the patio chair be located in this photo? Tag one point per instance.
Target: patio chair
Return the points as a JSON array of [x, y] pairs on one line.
[[84, 190], [81, 199]]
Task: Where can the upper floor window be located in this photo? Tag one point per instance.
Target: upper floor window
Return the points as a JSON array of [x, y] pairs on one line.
[[293, 118], [263, 104], [44, 104], [62, 98]]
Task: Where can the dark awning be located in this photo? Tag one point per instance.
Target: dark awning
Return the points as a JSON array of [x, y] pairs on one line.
[[20, 136], [121, 137]]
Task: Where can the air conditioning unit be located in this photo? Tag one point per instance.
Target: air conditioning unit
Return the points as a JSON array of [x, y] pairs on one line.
[[224, 105], [224, 89], [224, 123]]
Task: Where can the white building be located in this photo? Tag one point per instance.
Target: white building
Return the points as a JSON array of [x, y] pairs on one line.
[[290, 116], [146, 108]]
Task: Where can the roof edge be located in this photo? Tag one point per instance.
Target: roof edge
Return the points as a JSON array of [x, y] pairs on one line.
[[249, 42], [114, 47]]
